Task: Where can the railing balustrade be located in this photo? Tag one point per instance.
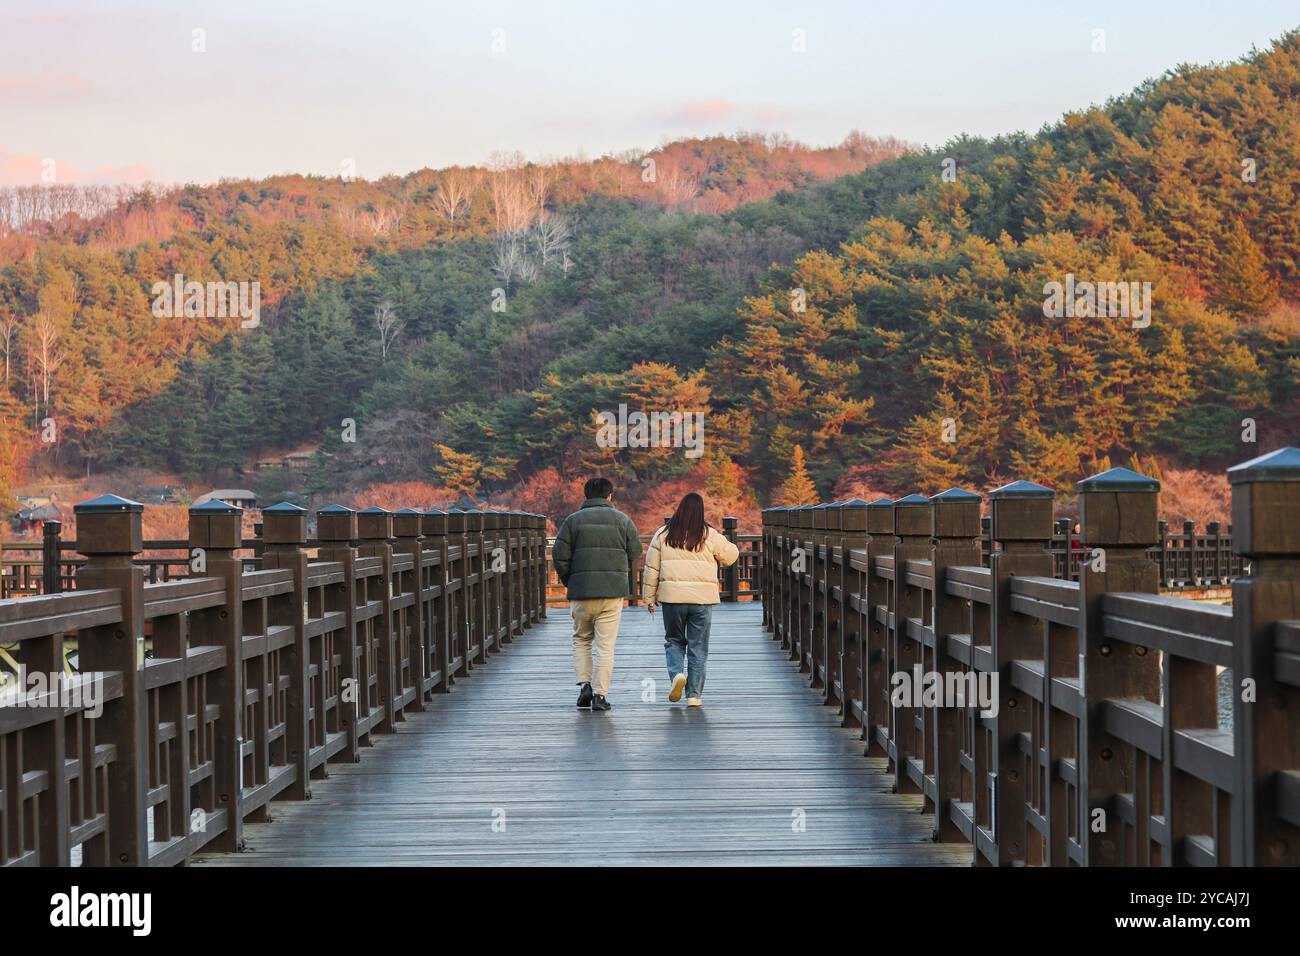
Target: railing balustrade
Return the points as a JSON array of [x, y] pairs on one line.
[[230, 687], [1126, 727]]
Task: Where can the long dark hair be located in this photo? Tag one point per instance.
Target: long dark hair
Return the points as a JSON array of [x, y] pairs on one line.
[[687, 528]]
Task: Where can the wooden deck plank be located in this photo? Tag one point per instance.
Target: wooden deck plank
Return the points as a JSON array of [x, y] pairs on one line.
[[647, 783]]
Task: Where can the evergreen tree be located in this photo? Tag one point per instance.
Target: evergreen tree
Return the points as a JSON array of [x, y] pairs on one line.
[[798, 488]]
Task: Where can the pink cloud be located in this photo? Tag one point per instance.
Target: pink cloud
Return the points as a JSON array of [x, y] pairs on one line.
[[702, 111], [716, 112], [21, 169], [47, 88]]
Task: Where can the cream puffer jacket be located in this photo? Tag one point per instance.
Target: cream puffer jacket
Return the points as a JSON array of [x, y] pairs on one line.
[[677, 576]]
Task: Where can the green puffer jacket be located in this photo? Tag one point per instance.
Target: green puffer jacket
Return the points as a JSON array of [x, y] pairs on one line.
[[595, 552]]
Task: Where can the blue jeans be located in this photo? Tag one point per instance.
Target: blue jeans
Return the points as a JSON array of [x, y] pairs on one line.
[[686, 635]]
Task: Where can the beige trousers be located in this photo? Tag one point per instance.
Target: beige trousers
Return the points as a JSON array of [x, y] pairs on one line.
[[595, 621]]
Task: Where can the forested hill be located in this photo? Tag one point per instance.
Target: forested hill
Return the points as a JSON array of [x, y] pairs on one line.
[[82, 343], [885, 329], [912, 311]]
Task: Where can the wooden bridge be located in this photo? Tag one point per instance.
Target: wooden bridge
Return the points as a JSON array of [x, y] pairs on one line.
[[505, 770], [401, 670]]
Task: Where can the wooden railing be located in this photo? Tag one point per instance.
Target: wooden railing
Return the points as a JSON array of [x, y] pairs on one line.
[[1104, 742], [257, 679], [1189, 560]]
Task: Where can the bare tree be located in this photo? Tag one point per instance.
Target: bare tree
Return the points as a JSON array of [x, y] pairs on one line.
[[455, 192], [552, 235], [46, 355], [389, 326], [509, 258], [8, 333], [511, 206], [512, 203], [539, 189], [679, 187]]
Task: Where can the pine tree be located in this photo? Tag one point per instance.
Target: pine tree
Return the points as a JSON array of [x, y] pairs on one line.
[[1243, 286], [721, 480], [462, 472], [798, 488]]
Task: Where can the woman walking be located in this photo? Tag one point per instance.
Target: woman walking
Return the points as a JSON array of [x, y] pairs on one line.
[[681, 575]]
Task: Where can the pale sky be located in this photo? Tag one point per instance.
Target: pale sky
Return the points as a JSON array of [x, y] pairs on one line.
[[115, 91]]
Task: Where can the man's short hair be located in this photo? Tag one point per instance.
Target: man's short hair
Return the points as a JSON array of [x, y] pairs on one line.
[[598, 488]]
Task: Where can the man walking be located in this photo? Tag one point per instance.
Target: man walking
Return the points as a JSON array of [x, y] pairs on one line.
[[595, 555]]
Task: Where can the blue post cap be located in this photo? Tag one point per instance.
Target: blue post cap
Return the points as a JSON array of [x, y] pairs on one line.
[[912, 499], [214, 507], [1022, 489], [108, 503], [1119, 479], [1280, 465], [955, 494]]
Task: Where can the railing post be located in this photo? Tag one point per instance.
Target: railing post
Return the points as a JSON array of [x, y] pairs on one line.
[[852, 523], [534, 527], [765, 529], [876, 659], [109, 535], [336, 528], [731, 575], [542, 571], [470, 527], [215, 534], [912, 529], [955, 528], [801, 565], [375, 528], [1215, 530], [459, 584], [285, 533], [774, 560], [1162, 530], [489, 580], [770, 558], [515, 623], [832, 634], [51, 564], [1062, 532], [1118, 510], [1022, 523], [505, 587], [1266, 532], [819, 667], [406, 531], [433, 524], [1193, 563], [44, 746]]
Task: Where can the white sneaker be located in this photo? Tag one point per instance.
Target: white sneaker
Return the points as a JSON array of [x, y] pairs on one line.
[[694, 702], [679, 684]]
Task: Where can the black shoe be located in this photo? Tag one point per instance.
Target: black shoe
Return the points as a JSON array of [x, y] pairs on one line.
[[584, 696], [600, 703]]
